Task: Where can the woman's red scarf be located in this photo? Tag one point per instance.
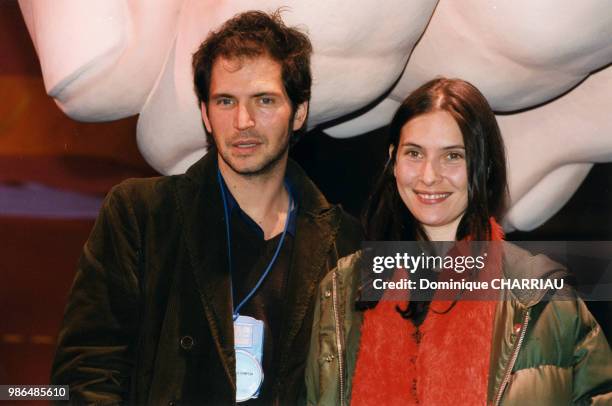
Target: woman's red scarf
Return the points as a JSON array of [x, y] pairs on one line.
[[448, 366]]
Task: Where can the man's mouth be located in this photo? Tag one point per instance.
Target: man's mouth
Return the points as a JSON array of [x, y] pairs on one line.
[[246, 144], [432, 198]]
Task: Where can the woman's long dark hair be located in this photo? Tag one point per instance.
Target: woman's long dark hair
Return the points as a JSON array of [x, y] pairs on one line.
[[386, 217]]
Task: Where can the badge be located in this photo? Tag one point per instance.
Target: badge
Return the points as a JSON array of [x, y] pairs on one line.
[[248, 343]]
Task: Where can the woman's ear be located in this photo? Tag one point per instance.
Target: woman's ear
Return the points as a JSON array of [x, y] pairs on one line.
[[391, 160]]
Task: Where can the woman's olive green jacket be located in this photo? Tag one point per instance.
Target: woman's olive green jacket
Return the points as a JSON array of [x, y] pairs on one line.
[[560, 355]]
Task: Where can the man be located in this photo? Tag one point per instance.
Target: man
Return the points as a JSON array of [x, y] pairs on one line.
[[187, 281]]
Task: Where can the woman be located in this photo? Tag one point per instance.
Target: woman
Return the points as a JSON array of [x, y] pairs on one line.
[[446, 181]]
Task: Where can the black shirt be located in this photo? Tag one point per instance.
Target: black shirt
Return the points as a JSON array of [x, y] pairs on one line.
[[251, 254]]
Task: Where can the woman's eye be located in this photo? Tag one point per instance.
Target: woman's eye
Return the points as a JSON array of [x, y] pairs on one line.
[[454, 156], [413, 154]]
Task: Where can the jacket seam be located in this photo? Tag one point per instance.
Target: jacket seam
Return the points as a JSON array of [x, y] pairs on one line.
[[543, 365], [594, 330]]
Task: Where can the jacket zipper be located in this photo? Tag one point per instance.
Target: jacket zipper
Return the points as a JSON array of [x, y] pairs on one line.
[[339, 336], [513, 358]]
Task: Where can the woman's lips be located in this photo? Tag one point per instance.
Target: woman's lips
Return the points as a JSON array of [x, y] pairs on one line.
[[432, 198]]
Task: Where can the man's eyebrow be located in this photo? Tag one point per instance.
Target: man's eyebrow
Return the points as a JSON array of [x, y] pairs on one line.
[[269, 93], [221, 95]]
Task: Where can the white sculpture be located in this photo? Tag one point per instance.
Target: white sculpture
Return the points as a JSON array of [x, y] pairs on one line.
[[107, 59]]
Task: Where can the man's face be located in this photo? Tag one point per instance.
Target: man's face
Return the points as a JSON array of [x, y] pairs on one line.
[[250, 115]]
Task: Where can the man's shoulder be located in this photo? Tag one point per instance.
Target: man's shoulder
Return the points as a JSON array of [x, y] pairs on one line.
[[312, 199], [143, 190], [150, 198], [306, 193], [350, 227], [161, 187]]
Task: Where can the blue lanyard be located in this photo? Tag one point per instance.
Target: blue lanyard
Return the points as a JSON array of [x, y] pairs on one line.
[[228, 234]]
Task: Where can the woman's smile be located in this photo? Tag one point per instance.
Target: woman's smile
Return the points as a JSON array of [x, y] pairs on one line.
[[431, 172]]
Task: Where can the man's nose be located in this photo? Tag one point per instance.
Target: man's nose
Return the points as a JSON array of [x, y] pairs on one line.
[[430, 173], [243, 119]]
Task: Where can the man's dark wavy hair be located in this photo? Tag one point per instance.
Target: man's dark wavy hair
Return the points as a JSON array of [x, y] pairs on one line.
[[252, 34]]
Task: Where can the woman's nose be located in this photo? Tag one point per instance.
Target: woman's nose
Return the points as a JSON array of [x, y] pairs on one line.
[[430, 173]]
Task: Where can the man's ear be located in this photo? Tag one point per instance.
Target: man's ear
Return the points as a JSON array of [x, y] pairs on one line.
[[300, 116], [205, 117]]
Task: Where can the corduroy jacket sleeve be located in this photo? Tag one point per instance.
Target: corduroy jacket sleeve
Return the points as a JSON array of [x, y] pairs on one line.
[[96, 342]]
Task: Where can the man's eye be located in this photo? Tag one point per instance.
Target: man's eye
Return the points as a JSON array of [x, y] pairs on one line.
[[224, 101], [265, 100]]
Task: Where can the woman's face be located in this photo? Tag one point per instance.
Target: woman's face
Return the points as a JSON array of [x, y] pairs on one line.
[[431, 173]]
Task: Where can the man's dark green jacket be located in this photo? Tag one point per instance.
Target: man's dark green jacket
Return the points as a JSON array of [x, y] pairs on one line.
[[149, 317]]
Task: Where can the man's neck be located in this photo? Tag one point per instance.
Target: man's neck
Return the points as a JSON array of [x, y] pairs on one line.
[[263, 198]]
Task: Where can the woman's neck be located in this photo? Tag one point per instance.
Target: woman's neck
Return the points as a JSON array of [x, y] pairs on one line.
[[447, 232]]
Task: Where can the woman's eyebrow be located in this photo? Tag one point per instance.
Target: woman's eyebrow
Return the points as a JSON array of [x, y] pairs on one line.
[[412, 144]]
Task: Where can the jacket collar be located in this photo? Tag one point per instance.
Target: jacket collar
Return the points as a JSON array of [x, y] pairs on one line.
[[200, 203], [520, 264]]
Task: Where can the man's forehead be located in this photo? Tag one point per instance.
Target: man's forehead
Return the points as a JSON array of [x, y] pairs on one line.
[[251, 74], [234, 63], [231, 64]]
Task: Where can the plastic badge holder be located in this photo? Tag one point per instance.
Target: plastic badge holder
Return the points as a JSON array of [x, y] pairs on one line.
[[248, 342]]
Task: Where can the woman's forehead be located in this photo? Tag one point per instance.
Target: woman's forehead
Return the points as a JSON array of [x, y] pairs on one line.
[[437, 130]]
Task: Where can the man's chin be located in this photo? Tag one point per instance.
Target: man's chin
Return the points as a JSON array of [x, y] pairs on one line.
[[253, 168], [248, 170]]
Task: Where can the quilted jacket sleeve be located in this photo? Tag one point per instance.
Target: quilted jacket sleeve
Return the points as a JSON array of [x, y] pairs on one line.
[[322, 376], [96, 343], [593, 362]]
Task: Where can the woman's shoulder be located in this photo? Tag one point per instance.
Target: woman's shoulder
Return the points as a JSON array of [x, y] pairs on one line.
[[346, 267], [522, 265], [519, 263]]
